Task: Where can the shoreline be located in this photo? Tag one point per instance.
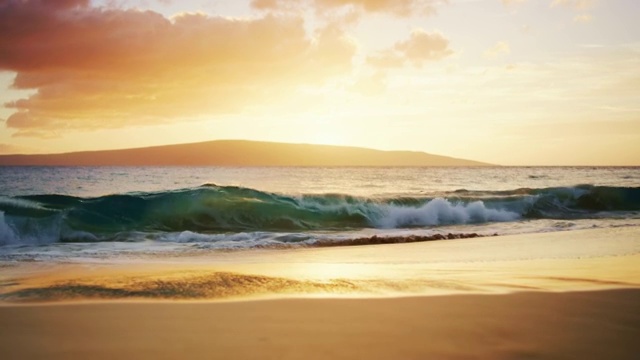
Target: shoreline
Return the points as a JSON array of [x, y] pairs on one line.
[[560, 261], [532, 296]]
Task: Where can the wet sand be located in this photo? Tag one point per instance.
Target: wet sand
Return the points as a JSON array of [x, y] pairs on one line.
[[556, 295]]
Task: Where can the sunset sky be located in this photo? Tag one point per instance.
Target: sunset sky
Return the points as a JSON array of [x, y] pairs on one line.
[[511, 82]]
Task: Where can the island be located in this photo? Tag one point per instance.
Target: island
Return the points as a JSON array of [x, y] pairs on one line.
[[239, 153]]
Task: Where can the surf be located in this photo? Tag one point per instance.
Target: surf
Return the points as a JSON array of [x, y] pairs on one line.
[[223, 210]]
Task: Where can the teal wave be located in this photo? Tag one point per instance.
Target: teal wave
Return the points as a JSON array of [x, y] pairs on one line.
[[227, 209]]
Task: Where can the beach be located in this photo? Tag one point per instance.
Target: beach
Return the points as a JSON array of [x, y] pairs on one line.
[[319, 179], [572, 294], [575, 325]]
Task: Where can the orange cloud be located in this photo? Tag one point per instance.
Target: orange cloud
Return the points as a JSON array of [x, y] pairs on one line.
[[102, 67], [397, 7], [421, 47]]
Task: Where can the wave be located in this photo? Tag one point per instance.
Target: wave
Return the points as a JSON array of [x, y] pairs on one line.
[[212, 209]]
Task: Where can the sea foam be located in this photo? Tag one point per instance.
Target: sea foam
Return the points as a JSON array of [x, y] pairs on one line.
[[441, 211]]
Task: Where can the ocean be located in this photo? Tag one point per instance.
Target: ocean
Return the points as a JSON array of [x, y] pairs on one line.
[[96, 212]]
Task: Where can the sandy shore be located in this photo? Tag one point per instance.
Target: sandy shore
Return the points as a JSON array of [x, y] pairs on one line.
[[556, 295], [560, 261], [574, 325]]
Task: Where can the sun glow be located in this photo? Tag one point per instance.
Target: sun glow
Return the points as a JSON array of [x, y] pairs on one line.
[[398, 75], [328, 138], [325, 130], [332, 271]]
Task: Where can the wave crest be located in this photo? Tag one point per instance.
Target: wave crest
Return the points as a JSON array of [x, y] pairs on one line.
[[441, 211], [213, 209]]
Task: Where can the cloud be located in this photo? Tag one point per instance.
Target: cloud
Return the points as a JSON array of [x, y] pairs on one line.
[[424, 46], [421, 47], [583, 18], [387, 59], [108, 67], [402, 8], [499, 49], [580, 5]]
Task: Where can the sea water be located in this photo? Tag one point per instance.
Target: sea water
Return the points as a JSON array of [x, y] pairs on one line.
[[107, 211]]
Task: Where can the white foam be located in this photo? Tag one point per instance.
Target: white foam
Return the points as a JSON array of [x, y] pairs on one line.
[[32, 231], [20, 203], [440, 211], [7, 233]]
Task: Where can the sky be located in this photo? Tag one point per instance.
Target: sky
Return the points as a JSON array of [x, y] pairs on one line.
[[509, 82]]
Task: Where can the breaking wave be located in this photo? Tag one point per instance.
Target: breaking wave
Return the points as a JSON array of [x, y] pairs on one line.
[[213, 210]]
